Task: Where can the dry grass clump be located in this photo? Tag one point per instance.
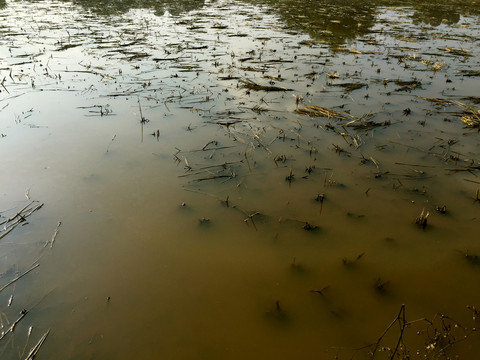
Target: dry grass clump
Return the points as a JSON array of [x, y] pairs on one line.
[[470, 116], [318, 111]]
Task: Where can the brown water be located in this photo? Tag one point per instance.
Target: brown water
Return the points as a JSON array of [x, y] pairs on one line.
[[193, 244]]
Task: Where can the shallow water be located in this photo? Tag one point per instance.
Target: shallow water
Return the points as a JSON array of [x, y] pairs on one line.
[[184, 197]]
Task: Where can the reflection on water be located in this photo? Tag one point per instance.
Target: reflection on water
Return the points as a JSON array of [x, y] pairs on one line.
[[218, 186], [448, 12], [340, 21], [109, 7], [332, 21], [442, 13]]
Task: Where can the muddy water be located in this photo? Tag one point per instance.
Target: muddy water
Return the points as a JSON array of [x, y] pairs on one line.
[[205, 213]]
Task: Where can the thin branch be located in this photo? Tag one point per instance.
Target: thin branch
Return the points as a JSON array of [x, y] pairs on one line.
[[18, 277]]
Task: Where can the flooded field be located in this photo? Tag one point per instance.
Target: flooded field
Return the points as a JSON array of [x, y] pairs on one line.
[[249, 179]]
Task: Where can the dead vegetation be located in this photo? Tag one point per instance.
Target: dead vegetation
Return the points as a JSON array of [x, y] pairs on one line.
[[440, 335], [236, 129], [469, 114], [10, 223], [318, 111], [11, 279], [250, 85], [421, 220]]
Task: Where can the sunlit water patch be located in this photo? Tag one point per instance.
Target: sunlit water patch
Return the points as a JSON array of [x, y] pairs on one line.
[[214, 181]]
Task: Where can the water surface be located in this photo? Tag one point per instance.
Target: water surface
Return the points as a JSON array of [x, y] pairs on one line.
[[207, 210]]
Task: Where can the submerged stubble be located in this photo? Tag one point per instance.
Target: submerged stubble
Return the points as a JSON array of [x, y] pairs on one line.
[[229, 187]]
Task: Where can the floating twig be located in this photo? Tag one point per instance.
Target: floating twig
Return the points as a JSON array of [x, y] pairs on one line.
[[54, 236], [19, 277], [34, 351], [3, 84], [19, 217], [12, 327], [108, 147], [403, 324]]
